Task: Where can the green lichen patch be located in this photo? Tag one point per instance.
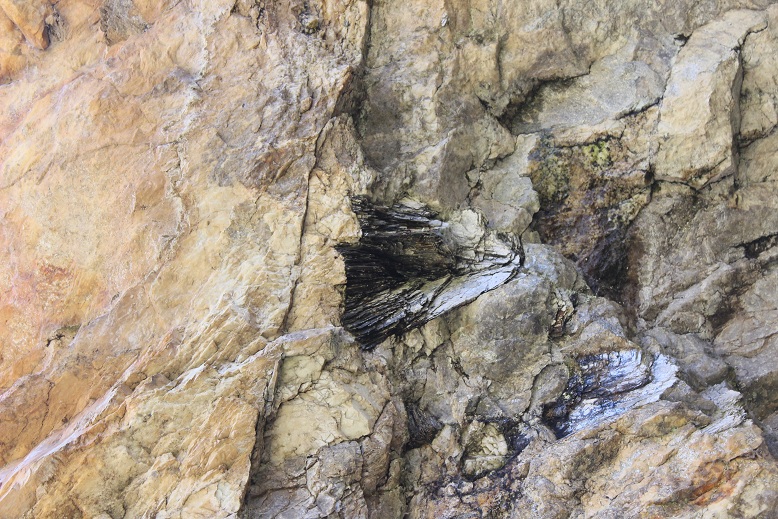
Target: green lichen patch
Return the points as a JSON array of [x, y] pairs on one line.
[[549, 172], [589, 195]]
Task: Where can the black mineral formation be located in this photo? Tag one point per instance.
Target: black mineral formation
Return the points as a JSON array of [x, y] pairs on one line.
[[409, 267], [422, 427], [606, 385]]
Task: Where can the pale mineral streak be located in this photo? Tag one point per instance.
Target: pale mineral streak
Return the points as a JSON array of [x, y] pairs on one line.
[[587, 325]]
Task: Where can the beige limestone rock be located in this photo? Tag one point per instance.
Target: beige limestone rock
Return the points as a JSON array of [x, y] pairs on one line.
[[758, 104], [11, 59], [502, 338], [697, 128], [176, 448], [615, 86], [132, 209], [439, 72], [31, 18], [327, 443], [504, 193], [708, 286]]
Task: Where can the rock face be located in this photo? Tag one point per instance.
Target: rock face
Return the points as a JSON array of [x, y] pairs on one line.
[[550, 225]]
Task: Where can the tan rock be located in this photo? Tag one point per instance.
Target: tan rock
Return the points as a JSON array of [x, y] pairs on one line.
[[636, 468], [758, 103], [748, 344], [31, 18], [11, 59], [505, 194], [175, 183], [487, 344], [122, 217], [700, 117]]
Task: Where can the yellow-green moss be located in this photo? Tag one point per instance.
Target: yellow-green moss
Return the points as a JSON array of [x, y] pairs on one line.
[[598, 153]]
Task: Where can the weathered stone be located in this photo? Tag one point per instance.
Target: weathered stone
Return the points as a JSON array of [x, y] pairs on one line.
[[699, 365], [502, 337], [615, 86], [697, 129], [177, 188], [590, 192], [758, 100], [11, 59], [748, 344], [485, 449], [504, 193], [627, 468], [31, 18], [121, 223]]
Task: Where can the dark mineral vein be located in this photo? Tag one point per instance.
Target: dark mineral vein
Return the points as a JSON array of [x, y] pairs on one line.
[[605, 385], [407, 269]]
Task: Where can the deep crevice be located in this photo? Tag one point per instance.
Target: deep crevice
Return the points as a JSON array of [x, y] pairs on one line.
[[756, 247]]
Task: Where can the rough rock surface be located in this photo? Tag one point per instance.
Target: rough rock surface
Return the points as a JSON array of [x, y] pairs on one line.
[[584, 325]]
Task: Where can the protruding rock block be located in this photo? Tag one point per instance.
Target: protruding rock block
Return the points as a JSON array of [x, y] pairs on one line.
[[30, 16], [700, 114]]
